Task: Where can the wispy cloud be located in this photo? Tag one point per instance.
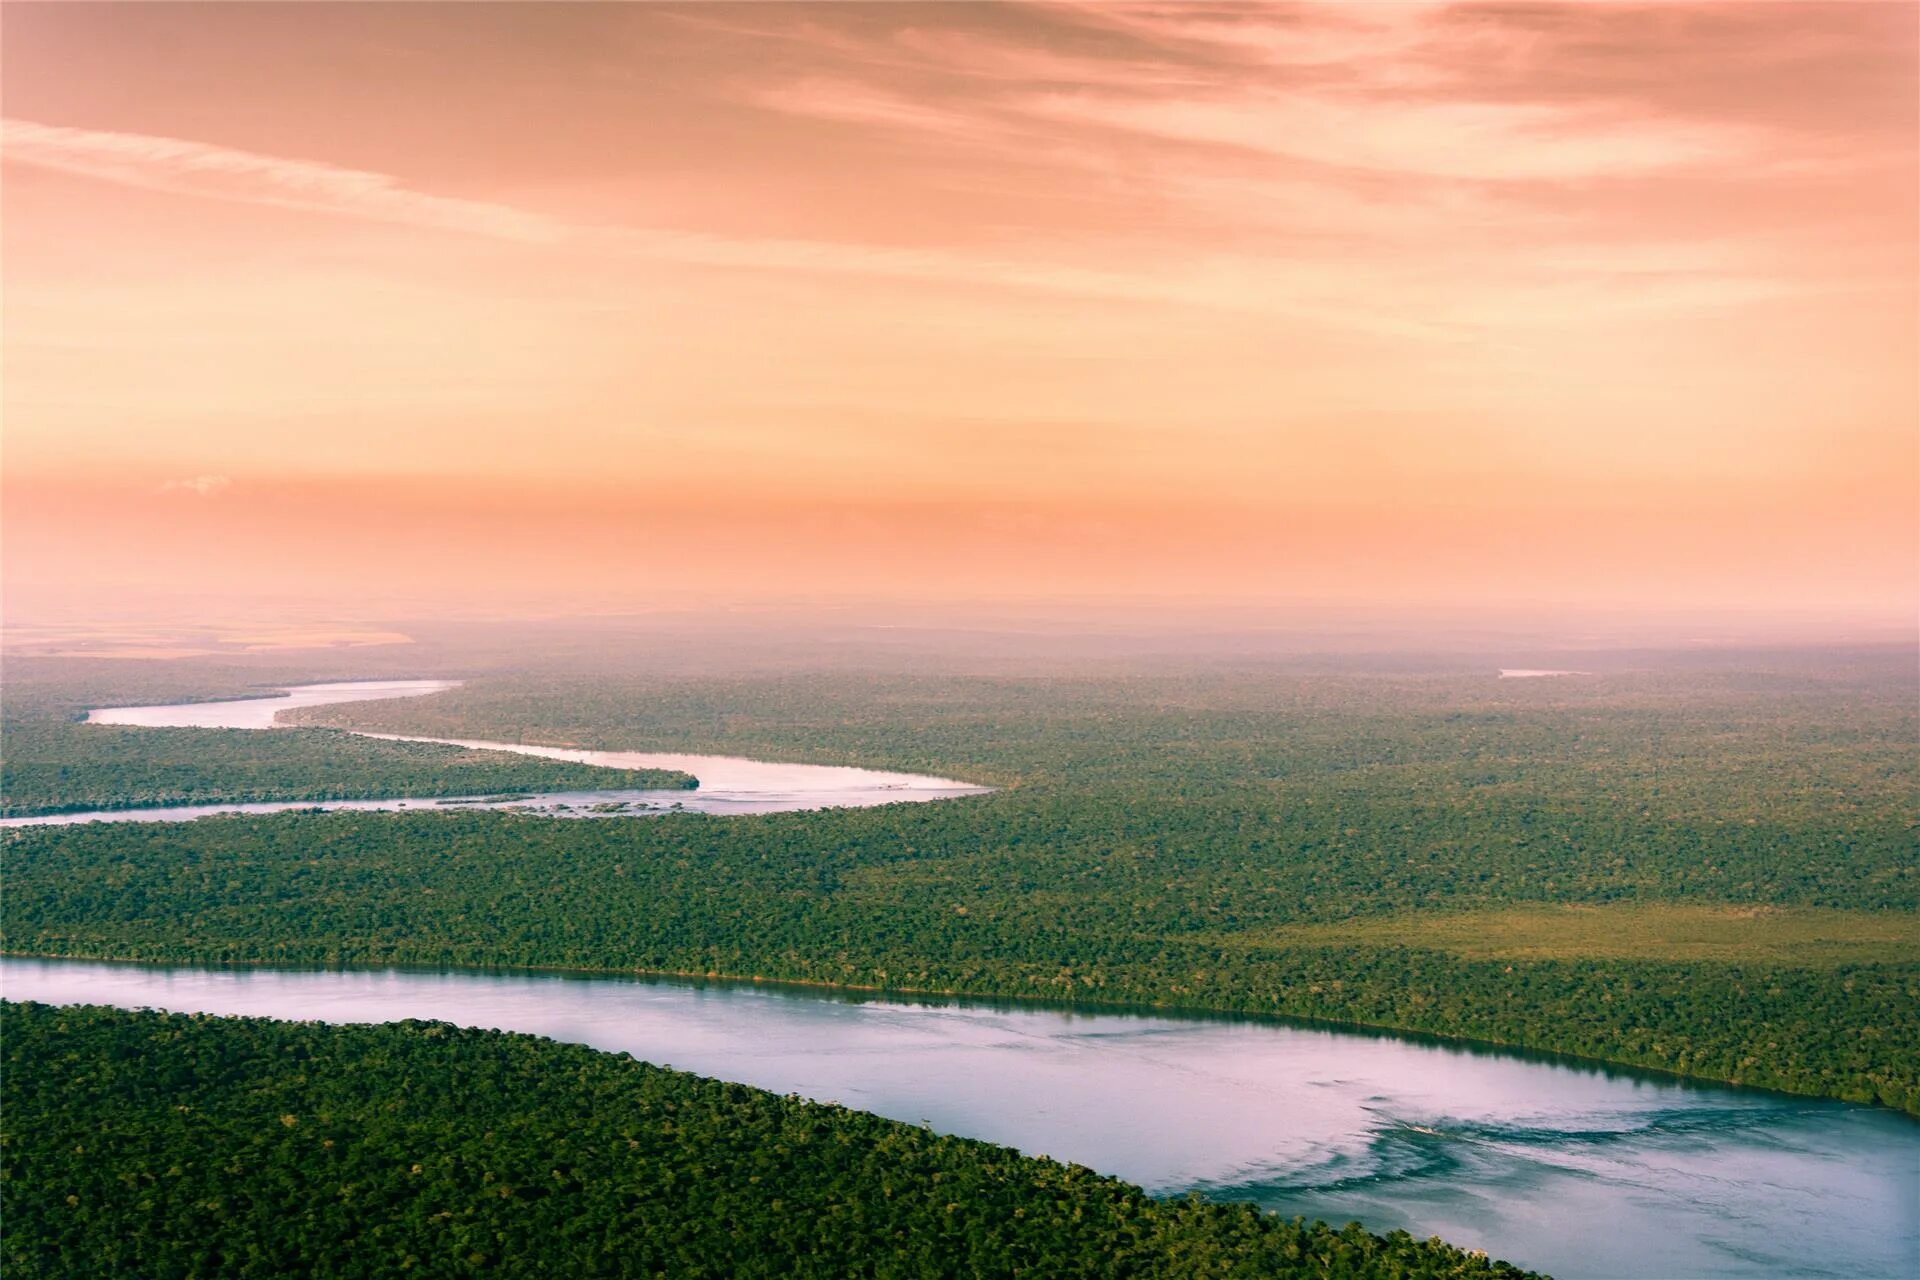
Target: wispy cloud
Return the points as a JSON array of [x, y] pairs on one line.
[[1471, 140], [1442, 152], [198, 169], [199, 486], [1402, 170], [185, 167], [855, 102], [1425, 92]]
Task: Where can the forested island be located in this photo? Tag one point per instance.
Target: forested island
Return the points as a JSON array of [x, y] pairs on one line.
[[1699, 865], [166, 1145], [51, 762]]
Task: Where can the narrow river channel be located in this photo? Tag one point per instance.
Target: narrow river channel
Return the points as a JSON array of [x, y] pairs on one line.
[[728, 784]]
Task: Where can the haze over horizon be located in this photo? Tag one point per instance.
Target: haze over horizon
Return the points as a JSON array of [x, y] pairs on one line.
[[505, 309]]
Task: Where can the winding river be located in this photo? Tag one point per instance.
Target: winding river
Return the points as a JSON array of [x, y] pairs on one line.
[[1575, 1169], [728, 784]]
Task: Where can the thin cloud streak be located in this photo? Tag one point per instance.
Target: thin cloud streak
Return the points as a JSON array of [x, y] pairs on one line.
[[199, 486], [183, 167], [1470, 140]]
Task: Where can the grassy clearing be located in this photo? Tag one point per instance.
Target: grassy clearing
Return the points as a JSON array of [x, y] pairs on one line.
[[1807, 937]]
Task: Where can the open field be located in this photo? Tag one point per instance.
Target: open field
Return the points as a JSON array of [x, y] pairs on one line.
[[1805, 937]]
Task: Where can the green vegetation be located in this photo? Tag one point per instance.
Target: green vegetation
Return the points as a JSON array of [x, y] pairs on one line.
[[54, 765], [173, 1146], [1284, 838]]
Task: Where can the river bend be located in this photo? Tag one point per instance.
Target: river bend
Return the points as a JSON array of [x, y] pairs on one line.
[[728, 784]]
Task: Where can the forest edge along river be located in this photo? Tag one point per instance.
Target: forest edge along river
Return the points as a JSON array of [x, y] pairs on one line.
[[1575, 1169]]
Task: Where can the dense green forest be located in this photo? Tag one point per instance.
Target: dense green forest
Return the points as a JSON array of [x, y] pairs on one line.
[[1169, 835], [51, 763], [165, 1145]]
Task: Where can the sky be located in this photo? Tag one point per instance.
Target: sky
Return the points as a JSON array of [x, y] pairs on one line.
[[546, 307]]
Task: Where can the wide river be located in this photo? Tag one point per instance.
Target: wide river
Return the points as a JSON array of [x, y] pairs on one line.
[[1574, 1169]]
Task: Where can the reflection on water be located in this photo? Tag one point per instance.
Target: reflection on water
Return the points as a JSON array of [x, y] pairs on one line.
[[728, 784], [1581, 1171], [260, 713]]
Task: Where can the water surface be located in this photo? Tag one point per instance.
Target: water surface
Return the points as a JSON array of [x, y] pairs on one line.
[[728, 784], [1577, 1170], [261, 712]]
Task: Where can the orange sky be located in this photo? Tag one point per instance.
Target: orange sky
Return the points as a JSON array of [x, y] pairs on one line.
[[1407, 303]]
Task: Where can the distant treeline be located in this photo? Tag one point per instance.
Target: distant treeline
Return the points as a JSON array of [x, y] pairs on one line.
[[163, 1146]]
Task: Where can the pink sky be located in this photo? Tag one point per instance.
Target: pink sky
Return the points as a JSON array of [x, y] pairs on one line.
[[1592, 303]]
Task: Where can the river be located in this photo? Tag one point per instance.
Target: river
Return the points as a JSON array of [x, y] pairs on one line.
[[1574, 1169], [728, 784], [1583, 1171]]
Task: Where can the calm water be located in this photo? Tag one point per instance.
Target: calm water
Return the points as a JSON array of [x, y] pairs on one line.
[[728, 784], [1579, 1171]]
